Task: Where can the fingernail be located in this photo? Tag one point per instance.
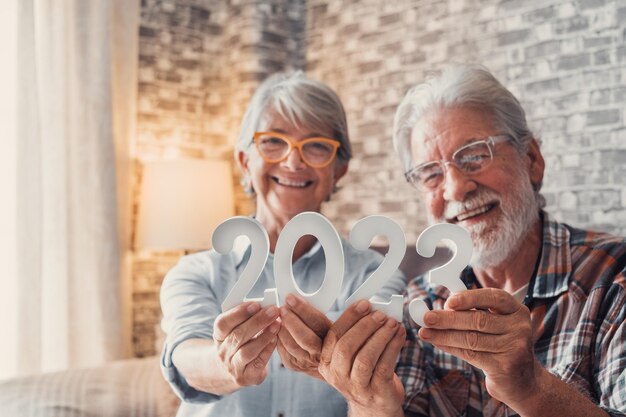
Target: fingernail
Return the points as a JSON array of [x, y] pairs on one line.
[[284, 311], [424, 333], [272, 311], [391, 323], [431, 318], [379, 316], [253, 308], [452, 302], [362, 307], [291, 300]]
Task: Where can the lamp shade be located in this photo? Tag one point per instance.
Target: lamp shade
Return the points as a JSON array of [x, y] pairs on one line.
[[182, 202]]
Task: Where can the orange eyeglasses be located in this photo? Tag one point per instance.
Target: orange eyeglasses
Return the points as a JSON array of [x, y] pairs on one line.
[[316, 152]]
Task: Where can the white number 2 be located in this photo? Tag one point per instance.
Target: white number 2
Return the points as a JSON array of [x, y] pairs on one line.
[[223, 239], [361, 237]]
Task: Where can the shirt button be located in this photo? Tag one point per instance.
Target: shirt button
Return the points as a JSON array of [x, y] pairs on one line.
[[281, 415], [282, 366]]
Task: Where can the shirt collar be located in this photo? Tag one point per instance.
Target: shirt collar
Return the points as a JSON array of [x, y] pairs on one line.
[[555, 267]]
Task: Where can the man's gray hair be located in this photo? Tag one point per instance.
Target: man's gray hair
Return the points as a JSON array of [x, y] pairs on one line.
[[459, 86], [302, 102]]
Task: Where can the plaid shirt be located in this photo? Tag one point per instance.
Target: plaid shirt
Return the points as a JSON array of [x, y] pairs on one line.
[[578, 318]]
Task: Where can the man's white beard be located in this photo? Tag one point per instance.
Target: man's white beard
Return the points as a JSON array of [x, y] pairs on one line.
[[494, 242]]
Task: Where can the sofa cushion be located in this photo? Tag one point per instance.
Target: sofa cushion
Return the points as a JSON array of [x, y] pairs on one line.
[[129, 388]]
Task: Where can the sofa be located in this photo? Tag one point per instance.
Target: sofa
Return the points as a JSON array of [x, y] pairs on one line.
[[125, 388]]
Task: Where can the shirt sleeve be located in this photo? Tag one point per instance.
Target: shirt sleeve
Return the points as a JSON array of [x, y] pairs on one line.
[[189, 310], [610, 361]]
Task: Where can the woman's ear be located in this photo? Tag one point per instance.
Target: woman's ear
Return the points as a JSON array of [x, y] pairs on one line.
[[246, 182], [340, 171], [242, 160]]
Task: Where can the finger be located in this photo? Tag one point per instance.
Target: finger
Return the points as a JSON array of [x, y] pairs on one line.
[[251, 327], [292, 348], [474, 358], [494, 299], [386, 365], [470, 340], [228, 320], [368, 356], [349, 317], [353, 314], [478, 320], [300, 333], [284, 355], [295, 363], [256, 370], [309, 315], [251, 350], [349, 345]]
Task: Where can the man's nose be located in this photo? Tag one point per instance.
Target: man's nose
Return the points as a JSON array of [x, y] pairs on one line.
[[457, 184], [294, 159]]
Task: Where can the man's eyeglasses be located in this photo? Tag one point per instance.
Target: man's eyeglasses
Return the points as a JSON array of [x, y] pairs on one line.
[[470, 159], [316, 152]]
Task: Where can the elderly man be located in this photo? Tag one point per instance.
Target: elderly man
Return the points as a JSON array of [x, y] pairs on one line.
[[541, 332]]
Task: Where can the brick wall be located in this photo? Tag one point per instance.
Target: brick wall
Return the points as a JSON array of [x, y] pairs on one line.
[[565, 61], [200, 60]]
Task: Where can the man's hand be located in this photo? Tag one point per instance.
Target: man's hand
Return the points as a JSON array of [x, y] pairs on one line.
[[358, 359], [246, 337], [490, 330], [301, 335]]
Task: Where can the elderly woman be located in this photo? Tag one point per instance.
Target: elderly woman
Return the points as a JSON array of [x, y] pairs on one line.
[[293, 147]]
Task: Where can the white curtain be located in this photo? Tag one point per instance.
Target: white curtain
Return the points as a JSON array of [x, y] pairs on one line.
[[77, 65]]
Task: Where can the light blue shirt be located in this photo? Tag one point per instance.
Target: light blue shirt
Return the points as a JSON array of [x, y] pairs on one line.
[[191, 298]]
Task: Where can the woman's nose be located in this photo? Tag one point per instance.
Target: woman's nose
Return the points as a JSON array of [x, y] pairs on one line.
[[294, 159]]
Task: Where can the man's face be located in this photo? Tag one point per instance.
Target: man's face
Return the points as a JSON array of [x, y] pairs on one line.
[[496, 205]]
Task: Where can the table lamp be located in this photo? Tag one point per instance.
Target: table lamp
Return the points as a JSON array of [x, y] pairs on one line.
[[182, 202]]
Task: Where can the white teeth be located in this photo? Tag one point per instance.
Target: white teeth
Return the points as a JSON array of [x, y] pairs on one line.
[[472, 213], [291, 183]]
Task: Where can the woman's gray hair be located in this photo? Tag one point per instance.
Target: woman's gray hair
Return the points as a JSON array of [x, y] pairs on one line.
[[304, 103], [458, 86]]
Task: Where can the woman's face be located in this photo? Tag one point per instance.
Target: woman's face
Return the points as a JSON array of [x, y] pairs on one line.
[[287, 188]]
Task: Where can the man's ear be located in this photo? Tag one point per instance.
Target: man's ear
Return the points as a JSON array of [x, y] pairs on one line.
[[537, 164]]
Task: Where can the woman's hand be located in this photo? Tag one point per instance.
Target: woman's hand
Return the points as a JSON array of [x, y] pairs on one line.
[[245, 338], [301, 335]]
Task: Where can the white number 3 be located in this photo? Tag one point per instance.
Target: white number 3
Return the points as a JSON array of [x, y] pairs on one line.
[[447, 274]]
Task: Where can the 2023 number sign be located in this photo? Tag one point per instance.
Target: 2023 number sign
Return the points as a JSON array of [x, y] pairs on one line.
[[361, 235]]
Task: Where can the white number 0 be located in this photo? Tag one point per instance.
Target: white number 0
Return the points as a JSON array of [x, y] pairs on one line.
[[310, 223]]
